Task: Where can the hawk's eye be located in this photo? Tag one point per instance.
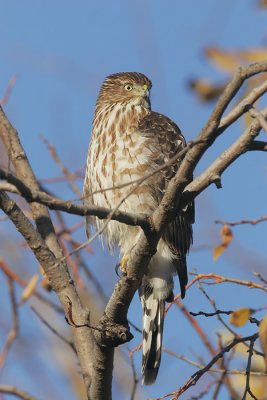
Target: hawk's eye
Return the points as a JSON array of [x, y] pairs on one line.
[[128, 87]]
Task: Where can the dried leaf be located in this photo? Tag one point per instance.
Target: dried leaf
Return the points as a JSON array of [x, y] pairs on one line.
[[263, 337], [227, 237], [240, 316], [29, 289], [223, 60], [229, 61], [257, 385], [262, 3], [206, 90], [254, 55]]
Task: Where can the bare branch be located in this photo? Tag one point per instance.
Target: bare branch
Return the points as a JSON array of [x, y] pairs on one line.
[[13, 391], [135, 379], [68, 176], [215, 170], [52, 329], [13, 333], [18, 158], [221, 279], [250, 354], [16, 278], [258, 145], [197, 375], [217, 370], [197, 328], [68, 206], [243, 221], [244, 106], [8, 90]]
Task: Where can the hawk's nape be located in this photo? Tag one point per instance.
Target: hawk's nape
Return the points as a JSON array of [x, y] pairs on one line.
[[129, 141]]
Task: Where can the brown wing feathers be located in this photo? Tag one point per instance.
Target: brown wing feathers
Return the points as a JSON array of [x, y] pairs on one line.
[[169, 141]]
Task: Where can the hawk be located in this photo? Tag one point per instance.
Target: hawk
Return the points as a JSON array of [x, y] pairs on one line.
[[129, 141]]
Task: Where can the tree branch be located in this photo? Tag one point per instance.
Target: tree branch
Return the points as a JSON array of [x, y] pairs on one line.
[[197, 375], [243, 221], [68, 206], [59, 279], [258, 145], [214, 171], [13, 391]]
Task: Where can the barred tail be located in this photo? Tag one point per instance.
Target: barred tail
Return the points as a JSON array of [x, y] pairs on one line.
[[153, 319]]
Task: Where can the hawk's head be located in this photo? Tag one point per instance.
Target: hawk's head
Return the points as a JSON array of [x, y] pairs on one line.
[[125, 87]]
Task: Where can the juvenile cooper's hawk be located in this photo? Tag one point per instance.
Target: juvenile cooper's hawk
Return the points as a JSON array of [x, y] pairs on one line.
[[129, 141]]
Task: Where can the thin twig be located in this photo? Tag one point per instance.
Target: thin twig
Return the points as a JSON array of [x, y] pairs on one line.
[[8, 90], [223, 279], [52, 329], [13, 391], [217, 370], [261, 278], [67, 174], [13, 333], [197, 327], [197, 375], [243, 221], [135, 378], [213, 304], [16, 278], [250, 354]]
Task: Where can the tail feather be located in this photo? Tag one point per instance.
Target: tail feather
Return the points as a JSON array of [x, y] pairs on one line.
[[153, 319], [181, 268]]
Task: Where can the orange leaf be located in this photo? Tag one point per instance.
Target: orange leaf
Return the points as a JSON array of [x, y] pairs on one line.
[[223, 60], [240, 316], [227, 236], [229, 61], [263, 337], [254, 55], [263, 3], [29, 289], [206, 90]]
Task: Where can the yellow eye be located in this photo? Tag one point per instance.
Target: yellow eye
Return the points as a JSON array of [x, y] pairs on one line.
[[128, 87]]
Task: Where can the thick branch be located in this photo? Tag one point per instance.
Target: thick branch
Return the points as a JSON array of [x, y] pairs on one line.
[[17, 158], [68, 206]]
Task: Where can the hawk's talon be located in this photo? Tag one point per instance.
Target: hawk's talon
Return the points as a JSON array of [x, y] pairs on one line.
[[117, 267], [123, 263], [122, 266]]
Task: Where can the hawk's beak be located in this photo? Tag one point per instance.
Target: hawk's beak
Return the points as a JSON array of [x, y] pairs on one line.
[[145, 91]]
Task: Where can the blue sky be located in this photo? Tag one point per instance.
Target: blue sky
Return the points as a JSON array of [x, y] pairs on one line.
[[61, 52]]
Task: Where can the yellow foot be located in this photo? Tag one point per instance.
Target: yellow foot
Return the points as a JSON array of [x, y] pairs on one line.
[[123, 263]]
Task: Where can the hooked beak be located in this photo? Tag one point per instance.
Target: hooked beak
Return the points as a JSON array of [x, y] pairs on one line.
[[144, 91]]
